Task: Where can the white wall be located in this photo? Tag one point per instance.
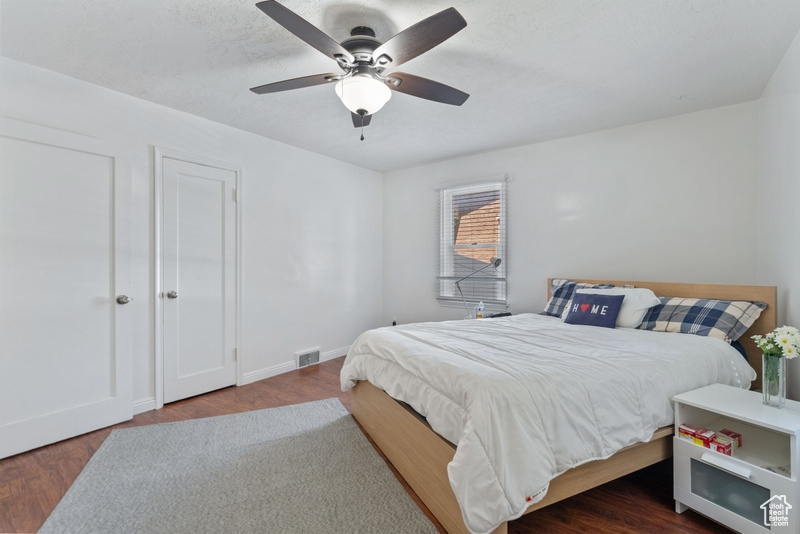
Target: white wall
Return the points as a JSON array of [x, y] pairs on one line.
[[312, 226], [669, 200], [778, 194]]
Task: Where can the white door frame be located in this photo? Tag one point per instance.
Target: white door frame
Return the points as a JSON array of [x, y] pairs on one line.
[[158, 194]]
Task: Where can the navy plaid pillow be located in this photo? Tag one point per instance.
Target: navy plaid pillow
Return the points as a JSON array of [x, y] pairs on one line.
[[723, 319], [561, 292]]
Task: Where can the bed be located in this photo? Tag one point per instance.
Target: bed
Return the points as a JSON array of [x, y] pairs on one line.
[[422, 456]]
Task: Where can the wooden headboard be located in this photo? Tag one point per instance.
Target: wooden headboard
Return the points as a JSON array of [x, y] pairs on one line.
[[766, 322]]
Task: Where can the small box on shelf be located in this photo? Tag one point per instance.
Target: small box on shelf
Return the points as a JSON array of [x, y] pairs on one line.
[[735, 436], [722, 444]]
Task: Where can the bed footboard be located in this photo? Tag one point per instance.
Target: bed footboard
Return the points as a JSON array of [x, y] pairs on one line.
[[419, 454], [421, 457]]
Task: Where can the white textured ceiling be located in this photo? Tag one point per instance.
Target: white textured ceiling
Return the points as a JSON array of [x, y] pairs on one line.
[[535, 69]]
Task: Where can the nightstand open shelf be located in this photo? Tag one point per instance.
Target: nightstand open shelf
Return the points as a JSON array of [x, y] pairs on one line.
[[733, 490]]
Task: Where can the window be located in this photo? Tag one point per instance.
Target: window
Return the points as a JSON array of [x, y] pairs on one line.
[[472, 231]]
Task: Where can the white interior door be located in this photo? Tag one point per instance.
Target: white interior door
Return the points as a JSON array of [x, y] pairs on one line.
[[65, 343], [198, 288]]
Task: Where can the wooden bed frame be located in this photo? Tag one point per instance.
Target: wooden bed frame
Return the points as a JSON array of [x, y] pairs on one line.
[[421, 456]]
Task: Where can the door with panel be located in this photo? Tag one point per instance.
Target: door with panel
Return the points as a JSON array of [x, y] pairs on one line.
[[65, 321], [198, 277]]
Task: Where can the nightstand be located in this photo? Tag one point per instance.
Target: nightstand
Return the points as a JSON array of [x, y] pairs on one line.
[[761, 475]]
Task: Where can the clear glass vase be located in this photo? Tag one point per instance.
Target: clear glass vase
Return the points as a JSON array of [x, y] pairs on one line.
[[773, 380]]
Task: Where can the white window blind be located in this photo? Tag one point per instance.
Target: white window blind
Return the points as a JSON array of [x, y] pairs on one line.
[[472, 231]]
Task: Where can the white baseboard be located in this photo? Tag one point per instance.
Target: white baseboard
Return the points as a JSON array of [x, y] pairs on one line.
[[144, 405], [333, 354], [261, 374]]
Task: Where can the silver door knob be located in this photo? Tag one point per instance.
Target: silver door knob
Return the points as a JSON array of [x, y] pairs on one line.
[[172, 294], [123, 299]]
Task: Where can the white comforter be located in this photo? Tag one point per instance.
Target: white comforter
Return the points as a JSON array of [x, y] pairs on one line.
[[528, 397]]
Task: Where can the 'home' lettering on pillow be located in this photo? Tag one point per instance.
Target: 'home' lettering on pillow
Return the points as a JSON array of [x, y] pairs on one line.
[[594, 309]]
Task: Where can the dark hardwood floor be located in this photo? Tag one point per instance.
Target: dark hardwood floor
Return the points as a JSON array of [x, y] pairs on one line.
[[32, 483]]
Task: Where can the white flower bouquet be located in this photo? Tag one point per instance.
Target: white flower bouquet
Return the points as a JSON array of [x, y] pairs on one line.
[[783, 341], [778, 346]]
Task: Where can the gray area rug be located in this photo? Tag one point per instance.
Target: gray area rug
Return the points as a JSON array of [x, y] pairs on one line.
[[306, 468]]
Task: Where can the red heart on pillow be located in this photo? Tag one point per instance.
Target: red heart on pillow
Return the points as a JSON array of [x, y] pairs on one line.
[[584, 307]]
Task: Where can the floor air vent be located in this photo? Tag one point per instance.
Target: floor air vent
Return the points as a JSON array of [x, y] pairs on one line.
[[306, 358]]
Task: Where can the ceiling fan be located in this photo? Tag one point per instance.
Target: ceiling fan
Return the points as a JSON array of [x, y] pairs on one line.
[[364, 86]]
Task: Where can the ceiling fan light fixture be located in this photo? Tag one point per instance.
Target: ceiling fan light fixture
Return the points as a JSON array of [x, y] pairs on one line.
[[363, 93]]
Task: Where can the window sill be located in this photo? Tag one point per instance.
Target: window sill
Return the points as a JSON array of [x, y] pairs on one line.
[[488, 306]]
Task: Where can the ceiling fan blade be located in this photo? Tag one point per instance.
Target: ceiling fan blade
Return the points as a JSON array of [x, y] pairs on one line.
[[425, 88], [305, 30], [357, 120], [296, 83], [419, 38]]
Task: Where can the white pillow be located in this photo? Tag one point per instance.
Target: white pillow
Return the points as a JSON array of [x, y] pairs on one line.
[[635, 305]]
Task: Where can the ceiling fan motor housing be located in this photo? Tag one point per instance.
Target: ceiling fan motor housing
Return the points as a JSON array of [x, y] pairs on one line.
[[361, 44], [362, 30]]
